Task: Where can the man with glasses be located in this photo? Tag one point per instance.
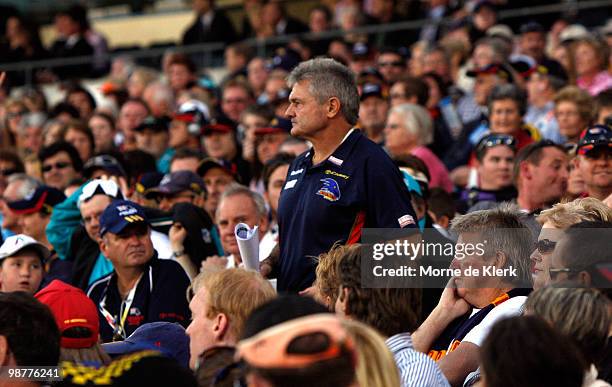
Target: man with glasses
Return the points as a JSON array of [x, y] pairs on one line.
[[391, 65], [142, 288], [179, 187], [61, 164], [582, 248], [494, 161], [595, 161]]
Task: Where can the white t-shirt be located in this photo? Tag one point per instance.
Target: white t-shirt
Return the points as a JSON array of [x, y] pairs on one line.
[[509, 308]]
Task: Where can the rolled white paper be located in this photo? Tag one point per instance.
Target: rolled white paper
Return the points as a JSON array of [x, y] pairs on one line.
[[248, 244]]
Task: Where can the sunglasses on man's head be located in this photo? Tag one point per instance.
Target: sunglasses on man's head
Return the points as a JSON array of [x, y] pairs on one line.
[[60, 165]]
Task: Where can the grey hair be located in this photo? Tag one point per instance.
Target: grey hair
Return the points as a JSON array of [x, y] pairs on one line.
[[329, 78], [161, 92], [509, 91], [504, 231], [32, 120], [28, 185], [417, 121], [235, 189]]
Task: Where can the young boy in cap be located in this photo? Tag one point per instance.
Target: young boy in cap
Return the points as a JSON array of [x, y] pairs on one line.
[[22, 261]]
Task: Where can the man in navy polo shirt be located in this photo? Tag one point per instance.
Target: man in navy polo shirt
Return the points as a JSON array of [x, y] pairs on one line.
[[142, 288], [343, 184]]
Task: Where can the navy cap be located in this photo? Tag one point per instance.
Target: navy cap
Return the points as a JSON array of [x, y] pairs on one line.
[[147, 181], [531, 26], [372, 90], [176, 182], [285, 59], [41, 199], [120, 214], [595, 136], [360, 50], [277, 125], [152, 123], [485, 4], [168, 338], [371, 72], [105, 162]]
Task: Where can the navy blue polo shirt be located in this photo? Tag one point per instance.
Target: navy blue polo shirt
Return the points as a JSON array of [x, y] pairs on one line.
[[358, 186], [160, 296]]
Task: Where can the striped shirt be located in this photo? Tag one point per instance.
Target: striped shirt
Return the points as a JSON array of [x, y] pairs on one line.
[[416, 369]]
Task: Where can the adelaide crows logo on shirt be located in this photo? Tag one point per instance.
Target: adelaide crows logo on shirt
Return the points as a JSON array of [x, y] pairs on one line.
[[330, 190]]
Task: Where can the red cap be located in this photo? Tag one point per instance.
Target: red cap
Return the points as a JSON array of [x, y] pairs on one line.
[[71, 308]]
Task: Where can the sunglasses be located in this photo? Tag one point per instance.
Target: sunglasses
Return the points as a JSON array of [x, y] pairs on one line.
[[495, 140], [60, 165], [554, 273], [105, 187], [545, 246]]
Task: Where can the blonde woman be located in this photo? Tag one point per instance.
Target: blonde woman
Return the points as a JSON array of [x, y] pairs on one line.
[[375, 364], [556, 219]]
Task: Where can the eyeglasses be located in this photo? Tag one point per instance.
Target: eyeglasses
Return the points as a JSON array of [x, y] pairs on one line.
[[7, 172], [494, 140], [391, 64], [545, 246], [555, 272], [60, 165]]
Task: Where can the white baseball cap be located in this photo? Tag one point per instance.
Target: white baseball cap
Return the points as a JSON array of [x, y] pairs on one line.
[[14, 244]]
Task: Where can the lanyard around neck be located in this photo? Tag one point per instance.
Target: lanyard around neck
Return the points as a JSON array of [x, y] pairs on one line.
[[118, 328]]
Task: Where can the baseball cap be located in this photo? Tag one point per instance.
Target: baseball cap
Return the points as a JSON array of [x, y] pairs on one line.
[[105, 162], [360, 50], [573, 32], [531, 26], [176, 182], [120, 214], [372, 90], [285, 59], [500, 31], [219, 124], [595, 136], [493, 68], [41, 199], [524, 65], [165, 337], [99, 186], [277, 125], [15, 243], [297, 343], [192, 112], [371, 72], [209, 163], [71, 308], [152, 123], [147, 181], [484, 4]]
